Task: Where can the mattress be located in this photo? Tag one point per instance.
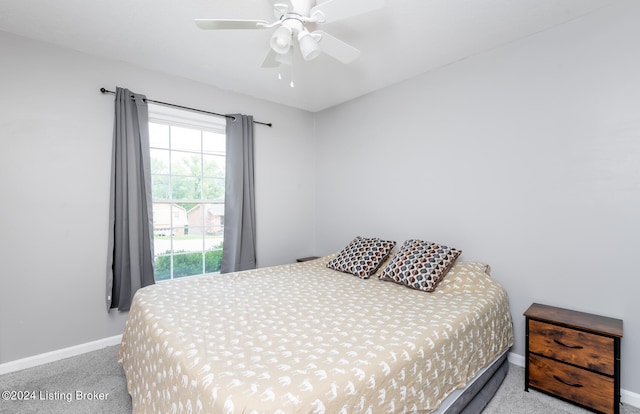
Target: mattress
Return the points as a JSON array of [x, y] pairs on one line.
[[305, 338]]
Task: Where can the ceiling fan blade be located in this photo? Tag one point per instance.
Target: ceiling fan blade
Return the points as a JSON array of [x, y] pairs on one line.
[[336, 48], [270, 60], [334, 10], [230, 24]]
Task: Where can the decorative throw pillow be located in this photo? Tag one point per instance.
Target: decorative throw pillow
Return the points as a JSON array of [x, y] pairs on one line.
[[362, 256], [420, 264], [385, 263]]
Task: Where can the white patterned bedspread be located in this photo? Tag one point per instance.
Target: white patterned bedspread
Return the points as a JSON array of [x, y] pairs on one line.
[[302, 338]]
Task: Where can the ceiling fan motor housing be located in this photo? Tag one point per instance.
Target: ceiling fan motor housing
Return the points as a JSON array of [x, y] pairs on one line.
[[302, 7]]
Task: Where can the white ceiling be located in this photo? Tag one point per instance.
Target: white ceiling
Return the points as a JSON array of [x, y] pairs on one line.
[[404, 39]]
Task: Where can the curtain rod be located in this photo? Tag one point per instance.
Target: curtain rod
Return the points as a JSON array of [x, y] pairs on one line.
[[103, 90]]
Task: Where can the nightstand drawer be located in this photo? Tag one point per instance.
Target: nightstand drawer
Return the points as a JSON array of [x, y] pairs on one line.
[[594, 352], [571, 383]]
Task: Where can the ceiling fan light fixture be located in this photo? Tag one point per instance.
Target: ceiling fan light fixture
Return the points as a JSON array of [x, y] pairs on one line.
[[285, 58], [309, 47], [281, 40]]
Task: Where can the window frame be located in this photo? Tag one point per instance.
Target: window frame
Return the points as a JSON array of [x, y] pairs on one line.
[[183, 118]]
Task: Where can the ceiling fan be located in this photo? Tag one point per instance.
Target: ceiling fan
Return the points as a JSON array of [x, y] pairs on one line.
[[296, 23]]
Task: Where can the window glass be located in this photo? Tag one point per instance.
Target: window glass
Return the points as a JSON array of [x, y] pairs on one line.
[[187, 174]]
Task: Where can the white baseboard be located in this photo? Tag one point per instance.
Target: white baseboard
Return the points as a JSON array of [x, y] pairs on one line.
[[516, 359], [630, 398], [59, 354], [626, 397]]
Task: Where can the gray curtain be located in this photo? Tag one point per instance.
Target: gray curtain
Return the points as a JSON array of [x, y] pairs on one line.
[[130, 255], [239, 248]]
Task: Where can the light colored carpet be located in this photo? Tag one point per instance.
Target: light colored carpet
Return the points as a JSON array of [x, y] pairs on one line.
[[96, 371], [55, 387]]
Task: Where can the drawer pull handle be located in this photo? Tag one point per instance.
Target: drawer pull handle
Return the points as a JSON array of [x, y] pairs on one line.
[[567, 383], [567, 346]]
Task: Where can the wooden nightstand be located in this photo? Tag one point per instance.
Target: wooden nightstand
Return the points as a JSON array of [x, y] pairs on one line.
[[306, 259], [574, 356]]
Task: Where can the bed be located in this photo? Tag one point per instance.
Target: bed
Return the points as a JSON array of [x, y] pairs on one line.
[[303, 338]]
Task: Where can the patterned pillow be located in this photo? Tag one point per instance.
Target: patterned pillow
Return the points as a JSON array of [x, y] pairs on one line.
[[362, 256], [385, 263], [420, 264]]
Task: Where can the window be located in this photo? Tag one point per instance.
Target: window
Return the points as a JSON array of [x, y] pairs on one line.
[[187, 176]]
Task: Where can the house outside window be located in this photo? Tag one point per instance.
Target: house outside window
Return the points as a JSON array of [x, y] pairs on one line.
[[187, 176]]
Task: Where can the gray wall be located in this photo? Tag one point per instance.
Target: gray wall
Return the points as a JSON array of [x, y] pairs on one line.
[[55, 151], [526, 157]]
